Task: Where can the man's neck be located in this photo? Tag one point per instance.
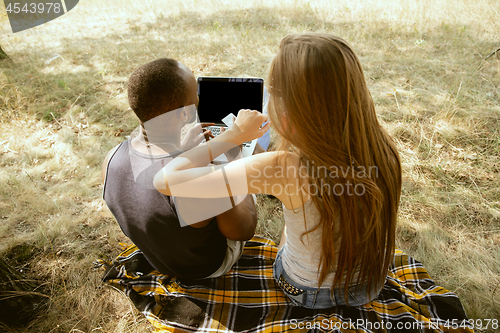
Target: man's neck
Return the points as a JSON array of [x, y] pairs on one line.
[[156, 143]]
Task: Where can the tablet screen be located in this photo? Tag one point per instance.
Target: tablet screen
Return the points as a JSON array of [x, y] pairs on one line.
[[221, 96]]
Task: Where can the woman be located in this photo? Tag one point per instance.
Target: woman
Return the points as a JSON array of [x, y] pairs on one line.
[[337, 173]]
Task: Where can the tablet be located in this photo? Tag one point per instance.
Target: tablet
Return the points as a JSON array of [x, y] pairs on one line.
[[220, 96]]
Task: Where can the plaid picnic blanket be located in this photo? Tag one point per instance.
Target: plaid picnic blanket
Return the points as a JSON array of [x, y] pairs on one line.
[[247, 299]]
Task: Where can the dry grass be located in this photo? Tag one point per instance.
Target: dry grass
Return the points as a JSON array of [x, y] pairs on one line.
[[424, 64]]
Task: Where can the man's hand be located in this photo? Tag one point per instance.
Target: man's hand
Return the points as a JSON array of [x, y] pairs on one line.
[[195, 136]]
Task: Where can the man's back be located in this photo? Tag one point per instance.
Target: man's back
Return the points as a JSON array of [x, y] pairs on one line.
[[149, 219]]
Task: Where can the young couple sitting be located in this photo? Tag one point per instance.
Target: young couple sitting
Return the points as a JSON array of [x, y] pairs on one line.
[[190, 218]]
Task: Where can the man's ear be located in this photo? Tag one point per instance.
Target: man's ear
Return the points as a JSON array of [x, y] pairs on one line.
[[182, 115]]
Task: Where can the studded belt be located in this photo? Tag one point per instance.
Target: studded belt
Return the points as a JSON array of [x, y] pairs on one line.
[[292, 290]]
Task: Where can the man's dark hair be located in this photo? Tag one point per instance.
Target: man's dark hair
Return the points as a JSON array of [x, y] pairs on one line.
[[157, 87]]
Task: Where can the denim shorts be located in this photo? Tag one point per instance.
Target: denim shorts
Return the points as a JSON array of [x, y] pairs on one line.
[[318, 298]]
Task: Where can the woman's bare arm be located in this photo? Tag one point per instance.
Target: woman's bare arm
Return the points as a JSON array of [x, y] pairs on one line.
[[189, 176]]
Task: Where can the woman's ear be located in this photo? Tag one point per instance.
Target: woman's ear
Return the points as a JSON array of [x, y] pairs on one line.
[[283, 121]]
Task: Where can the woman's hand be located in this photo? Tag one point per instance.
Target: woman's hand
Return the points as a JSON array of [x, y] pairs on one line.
[[247, 125]]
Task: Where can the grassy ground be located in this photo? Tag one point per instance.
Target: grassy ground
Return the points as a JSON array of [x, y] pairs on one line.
[[64, 105]]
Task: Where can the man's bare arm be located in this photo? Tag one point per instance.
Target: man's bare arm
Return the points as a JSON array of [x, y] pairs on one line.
[[239, 222]]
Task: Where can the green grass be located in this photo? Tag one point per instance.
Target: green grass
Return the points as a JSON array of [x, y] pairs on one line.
[[424, 63]]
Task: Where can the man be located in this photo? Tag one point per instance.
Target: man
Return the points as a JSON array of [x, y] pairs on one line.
[[163, 95]]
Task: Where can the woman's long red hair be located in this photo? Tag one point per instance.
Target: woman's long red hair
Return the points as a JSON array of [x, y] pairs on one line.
[[321, 108]]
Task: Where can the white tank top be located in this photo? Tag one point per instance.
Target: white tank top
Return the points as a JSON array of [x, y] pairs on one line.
[[301, 258]]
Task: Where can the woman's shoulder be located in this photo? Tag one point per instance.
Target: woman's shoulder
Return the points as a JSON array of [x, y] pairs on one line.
[[280, 174], [285, 165], [276, 158]]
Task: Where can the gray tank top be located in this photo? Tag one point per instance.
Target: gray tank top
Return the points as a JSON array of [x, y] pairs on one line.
[[149, 218]]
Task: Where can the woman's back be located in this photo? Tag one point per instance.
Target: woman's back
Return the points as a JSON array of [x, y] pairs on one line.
[[322, 109], [301, 258]]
